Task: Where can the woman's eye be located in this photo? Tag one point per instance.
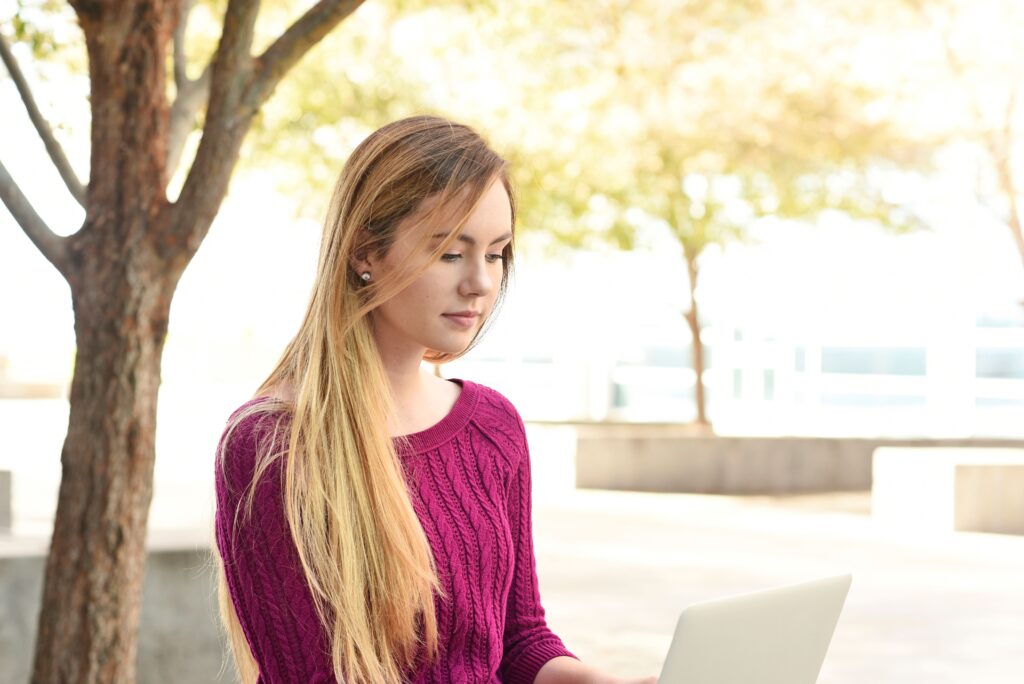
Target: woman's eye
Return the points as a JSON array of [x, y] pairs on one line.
[[493, 258]]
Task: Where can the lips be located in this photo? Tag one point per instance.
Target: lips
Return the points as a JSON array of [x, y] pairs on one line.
[[464, 322]]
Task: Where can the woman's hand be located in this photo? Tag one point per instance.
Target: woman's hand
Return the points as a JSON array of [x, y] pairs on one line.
[[566, 670]]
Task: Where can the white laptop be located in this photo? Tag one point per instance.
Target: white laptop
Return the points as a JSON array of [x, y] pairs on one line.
[[772, 636]]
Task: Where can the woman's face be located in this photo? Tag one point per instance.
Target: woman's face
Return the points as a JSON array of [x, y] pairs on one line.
[[466, 278]]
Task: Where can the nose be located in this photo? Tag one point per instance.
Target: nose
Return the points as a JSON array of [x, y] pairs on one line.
[[479, 279]]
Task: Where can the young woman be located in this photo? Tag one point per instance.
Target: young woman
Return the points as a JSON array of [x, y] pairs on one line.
[[373, 521]]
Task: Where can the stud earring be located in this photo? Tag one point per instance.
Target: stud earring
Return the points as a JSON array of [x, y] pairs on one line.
[[365, 276]]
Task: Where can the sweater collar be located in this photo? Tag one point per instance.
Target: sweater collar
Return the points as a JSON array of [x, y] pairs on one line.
[[449, 426]]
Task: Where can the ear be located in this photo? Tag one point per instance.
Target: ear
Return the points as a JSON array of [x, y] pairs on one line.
[[359, 263], [361, 260]]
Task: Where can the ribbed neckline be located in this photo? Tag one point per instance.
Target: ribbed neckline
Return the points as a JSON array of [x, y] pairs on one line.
[[457, 419], [440, 432]]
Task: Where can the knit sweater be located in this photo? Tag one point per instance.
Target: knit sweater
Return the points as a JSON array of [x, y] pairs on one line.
[[468, 478]]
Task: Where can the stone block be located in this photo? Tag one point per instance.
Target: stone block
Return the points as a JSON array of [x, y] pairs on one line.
[[949, 489]]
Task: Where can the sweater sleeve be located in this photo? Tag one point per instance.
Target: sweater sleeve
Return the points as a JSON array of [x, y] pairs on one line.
[[528, 642], [261, 565]]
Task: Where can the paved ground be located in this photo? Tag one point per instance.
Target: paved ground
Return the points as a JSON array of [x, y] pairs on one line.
[[617, 567]]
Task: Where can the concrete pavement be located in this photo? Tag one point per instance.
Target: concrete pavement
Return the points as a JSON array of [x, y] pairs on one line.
[[616, 569]]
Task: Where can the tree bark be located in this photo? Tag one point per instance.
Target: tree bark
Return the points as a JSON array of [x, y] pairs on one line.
[[693, 320], [90, 608]]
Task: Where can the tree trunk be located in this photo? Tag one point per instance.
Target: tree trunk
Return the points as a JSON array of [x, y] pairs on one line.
[[90, 606], [693, 321], [123, 266], [122, 279]]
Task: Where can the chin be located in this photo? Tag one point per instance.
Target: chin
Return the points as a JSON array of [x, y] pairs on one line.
[[448, 349]]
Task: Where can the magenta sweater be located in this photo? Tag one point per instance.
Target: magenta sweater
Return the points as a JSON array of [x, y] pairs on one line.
[[469, 480]]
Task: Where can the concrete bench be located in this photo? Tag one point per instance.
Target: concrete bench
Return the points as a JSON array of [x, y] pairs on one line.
[[179, 635], [949, 489], [674, 457]]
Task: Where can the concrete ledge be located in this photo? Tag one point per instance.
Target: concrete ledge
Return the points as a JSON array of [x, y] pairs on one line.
[[6, 515], [31, 390], [949, 489], [179, 639], [669, 458]]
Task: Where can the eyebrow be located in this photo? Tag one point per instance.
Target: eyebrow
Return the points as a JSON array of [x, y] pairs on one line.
[[466, 238]]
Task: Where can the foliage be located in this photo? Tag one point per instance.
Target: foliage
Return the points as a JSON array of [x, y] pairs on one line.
[[699, 115]]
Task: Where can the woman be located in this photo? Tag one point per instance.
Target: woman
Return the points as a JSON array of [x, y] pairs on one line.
[[373, 520]]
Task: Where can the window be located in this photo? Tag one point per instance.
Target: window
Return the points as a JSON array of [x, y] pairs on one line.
[[874, 360], [999, 362]]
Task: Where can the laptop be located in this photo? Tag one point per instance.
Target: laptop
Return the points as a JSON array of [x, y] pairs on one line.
[[772, 636]]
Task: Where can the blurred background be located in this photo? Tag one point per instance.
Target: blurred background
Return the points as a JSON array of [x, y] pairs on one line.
[[739, 220]]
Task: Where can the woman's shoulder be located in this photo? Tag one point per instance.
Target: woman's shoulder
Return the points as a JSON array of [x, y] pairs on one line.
[[248, 430], [496, 412], [492, 400], [256, 416]]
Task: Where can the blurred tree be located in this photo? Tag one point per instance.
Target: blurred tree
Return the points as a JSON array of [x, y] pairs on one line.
[[761, 116], [980, 47], [123, 265], [709, 116]]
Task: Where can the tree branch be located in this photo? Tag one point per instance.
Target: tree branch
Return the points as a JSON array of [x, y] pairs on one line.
[[180, 73], [191, 97], [221, 85], [1005, 170], [227, 121], [294, 43], [239, 84], [53, 148], [49, 243]]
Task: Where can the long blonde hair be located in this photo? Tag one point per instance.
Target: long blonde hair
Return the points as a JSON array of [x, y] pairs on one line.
[[363, 551]]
